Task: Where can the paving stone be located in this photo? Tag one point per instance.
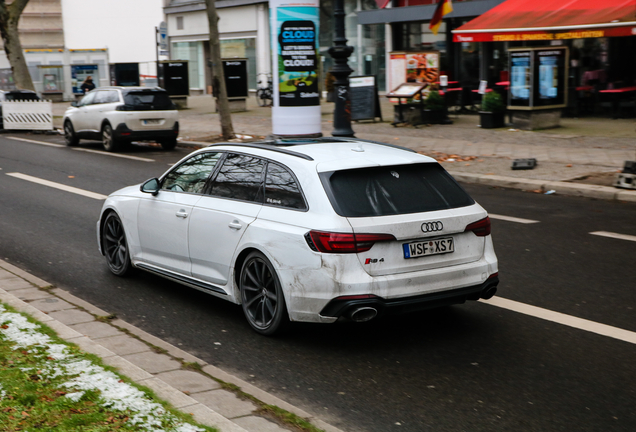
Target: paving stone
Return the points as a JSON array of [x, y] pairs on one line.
[[225, 403], [153, 362], [72, 316], [51, 304], [258, 424], [189, 381], [207, 416], [123, 344], [125, 367], [62, 330], [96, 329], [5, 274], [14, 283], [92, 347], [31, 293], [168, 393]]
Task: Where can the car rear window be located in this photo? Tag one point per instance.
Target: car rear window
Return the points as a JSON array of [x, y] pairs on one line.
[[148, 101], [392, 190]]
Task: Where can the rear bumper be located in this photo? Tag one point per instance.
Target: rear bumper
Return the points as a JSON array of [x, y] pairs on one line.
[[345, 306], [123, 132]]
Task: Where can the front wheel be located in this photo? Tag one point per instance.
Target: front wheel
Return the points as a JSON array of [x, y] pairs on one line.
[[262, 296], [108, 139], [69, 134], [115, 246]]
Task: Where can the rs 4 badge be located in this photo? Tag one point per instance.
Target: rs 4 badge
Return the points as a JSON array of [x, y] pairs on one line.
[[373, 260]]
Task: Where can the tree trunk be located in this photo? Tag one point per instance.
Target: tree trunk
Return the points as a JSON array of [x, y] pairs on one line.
[[218, 79], [9, 17]]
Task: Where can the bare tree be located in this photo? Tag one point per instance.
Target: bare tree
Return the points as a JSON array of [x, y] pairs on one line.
[[218, 79], [9, 17]]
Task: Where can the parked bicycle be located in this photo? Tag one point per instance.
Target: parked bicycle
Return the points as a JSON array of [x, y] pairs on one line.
[[264, 95]]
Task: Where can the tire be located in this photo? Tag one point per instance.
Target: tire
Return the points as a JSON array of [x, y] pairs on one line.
[[168, 144], [262, 296], [115, 246], [108, 139], [69, 134]]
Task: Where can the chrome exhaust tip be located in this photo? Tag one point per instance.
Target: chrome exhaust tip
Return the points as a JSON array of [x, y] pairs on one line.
[[364, 314]]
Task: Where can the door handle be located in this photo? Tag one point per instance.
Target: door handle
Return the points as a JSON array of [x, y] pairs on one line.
[[235, 225], [182, 214]]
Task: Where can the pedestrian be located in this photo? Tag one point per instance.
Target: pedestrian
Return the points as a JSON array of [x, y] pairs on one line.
[[87, 85]]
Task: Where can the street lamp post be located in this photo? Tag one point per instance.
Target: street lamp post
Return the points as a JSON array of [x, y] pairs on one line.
[[340, 52]]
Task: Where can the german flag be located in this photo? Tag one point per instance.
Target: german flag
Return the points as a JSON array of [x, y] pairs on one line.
[[444, 7]]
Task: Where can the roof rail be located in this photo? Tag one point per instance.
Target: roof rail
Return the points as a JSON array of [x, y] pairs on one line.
[[266, 145], [302, 141]]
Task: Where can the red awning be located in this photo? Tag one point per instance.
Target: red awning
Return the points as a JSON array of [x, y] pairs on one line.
[[518, 20]]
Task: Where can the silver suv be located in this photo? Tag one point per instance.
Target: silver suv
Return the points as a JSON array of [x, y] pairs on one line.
[[120, 115]]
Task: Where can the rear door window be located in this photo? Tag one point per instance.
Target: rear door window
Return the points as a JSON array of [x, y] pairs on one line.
[[148, 101], [240, 177], [281, 188], [392, 190]]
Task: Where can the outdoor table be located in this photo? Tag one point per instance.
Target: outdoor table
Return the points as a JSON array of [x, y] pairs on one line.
[[616, 95]]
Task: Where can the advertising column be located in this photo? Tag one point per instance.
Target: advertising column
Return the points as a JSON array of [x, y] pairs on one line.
[[296, 108]]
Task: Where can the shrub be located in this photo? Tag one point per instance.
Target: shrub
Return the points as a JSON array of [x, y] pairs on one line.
[[493, 102], [434, 101]]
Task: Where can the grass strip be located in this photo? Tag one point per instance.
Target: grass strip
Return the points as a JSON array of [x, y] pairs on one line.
[[49, 384]]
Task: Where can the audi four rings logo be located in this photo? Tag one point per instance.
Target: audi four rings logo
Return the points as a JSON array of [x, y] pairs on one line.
[[432, 226]]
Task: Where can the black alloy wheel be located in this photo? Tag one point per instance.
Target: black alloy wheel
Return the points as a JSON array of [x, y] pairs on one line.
[[108, 139], [69, 134], [115, 246], [262, 296]]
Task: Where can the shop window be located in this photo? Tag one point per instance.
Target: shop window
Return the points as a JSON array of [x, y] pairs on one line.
[[193, 53]]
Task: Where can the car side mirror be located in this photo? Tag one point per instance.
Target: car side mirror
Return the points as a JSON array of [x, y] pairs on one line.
[[74, 104], [151, 186]]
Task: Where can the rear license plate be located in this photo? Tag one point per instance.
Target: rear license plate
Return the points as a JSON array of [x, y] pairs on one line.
[[151, 122], [428, 247]]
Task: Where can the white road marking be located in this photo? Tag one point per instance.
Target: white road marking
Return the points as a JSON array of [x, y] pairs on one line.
[[614, 235], [58, 186], [36, 142], [512, 219], [115, 155], [567, 320]]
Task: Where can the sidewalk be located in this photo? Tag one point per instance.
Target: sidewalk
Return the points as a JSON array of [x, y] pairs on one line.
[[212, 396], [580, 158]]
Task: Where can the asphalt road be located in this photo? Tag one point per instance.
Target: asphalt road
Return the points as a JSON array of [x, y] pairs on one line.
[[472, 367]]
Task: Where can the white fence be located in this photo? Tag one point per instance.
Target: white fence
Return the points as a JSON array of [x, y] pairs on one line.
[[27, 115]]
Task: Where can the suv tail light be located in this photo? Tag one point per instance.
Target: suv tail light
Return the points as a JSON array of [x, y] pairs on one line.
[[481, 228], [328, 242]]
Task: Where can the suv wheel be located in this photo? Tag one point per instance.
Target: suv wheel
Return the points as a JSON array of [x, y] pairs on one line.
[[168, 143], [69, 134], [262, 296], [108, 139]]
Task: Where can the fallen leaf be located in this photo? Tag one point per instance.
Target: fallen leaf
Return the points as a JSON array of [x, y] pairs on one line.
[[71, 176], [569, 165]]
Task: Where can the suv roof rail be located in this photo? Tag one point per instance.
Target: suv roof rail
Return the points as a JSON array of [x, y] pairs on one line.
[[331, 140], [265, 145]]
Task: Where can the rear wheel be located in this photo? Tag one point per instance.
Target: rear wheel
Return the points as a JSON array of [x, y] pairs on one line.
[[262, 296], [115, 246], [168, 144], [108, 139], [69, 134]]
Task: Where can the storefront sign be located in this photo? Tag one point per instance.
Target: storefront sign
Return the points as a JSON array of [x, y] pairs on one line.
[[296, 109], [420, 67], [521, 35]]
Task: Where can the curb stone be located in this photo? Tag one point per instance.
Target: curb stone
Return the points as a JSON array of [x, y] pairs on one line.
[[68, 305]]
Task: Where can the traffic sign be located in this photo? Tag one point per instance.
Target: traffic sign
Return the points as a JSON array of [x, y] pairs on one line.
[[163, 36]]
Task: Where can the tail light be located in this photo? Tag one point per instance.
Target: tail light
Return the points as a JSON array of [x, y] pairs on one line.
[[481, 228], [328, 242]]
